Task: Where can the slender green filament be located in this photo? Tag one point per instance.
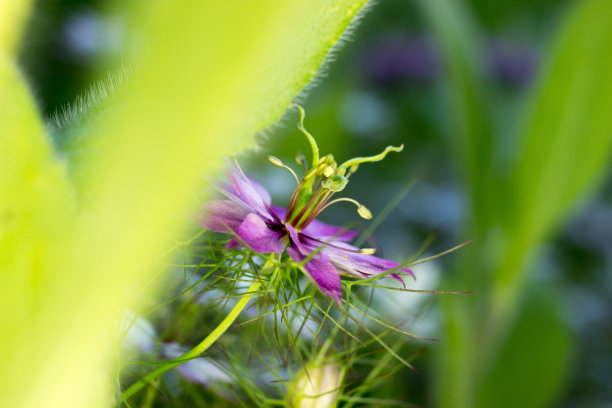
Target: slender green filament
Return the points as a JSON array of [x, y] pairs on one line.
[[277, 162], [361, 209]]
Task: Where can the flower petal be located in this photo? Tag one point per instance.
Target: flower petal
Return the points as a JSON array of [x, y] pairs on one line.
[[295, 240], [255, 233], [357, 264], [222, 215], [321, 271], [261, 190], [249, 193], [320, 230]]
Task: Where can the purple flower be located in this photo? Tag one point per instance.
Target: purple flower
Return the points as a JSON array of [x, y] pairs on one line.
[[248, 214]]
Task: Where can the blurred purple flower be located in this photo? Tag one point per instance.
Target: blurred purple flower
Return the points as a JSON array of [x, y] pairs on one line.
[[247, 213], [398, 57], [199, 370], [511, 63]]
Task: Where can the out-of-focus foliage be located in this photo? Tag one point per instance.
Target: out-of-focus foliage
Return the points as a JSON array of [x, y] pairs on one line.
[[12, 18], [208, 76], [557, 154], [501, 107], [502, 110]]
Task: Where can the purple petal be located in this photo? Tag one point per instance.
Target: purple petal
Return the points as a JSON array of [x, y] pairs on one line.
[[321, 271], [233, 243], [295, 240], [222, 215], [398, 278], [280, 211], [321, 230], [261, 190], [249, 193], [255, 233], [357, 264]]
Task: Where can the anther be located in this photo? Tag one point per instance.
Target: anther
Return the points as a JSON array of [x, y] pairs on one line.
[[367, 251], [364, 212], [310, 173], [277, 162]]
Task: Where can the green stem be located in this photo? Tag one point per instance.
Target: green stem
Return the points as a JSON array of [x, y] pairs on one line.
[[200, 348]]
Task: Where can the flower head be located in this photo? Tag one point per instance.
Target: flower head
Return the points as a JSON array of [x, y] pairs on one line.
[[323, 249]]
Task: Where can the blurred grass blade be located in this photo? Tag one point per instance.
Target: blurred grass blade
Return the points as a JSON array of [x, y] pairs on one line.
[[566, 143], [470, 127], [567, 137], [563, 145], [533, 362]]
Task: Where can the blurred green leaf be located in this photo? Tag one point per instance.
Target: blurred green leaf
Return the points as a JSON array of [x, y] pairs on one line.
[[534, 360], [469, 127], [13, 15], [563, 145], [567, 137], [210, 75], [36, 215]]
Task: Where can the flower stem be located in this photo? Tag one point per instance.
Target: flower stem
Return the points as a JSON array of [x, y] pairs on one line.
[[200, 348]]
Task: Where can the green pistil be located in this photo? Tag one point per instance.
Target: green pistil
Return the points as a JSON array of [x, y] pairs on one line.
[[311, 140], [321, 181], [358, 160]]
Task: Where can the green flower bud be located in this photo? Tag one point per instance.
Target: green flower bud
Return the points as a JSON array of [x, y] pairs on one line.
[[316, 387]]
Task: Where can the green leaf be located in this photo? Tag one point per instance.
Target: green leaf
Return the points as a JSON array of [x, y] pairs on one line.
[[13, 15], [564, 143], [469, 125], [210, 75], [567, 137], [534, 359], [36, 214]]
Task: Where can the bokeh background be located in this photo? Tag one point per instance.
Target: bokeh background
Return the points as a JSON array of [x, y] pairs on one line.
[[396, 81]]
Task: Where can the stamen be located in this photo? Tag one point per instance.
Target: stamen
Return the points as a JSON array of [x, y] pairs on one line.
[[361, 209], [321, 168], [293, 201], [311, 173], [306, 220], [277, 162], [309, 205], [367, 251], [301, 159], [364, 212]]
